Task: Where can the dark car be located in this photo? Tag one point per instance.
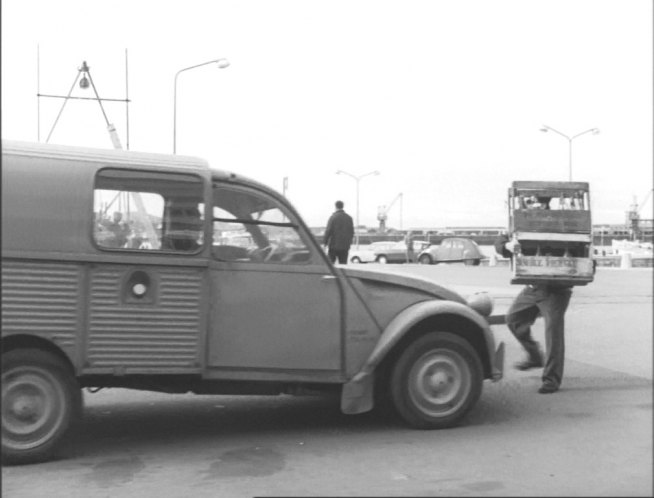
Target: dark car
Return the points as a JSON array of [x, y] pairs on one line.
[[452, 250]]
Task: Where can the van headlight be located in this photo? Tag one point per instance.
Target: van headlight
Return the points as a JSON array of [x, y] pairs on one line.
[[481, 302]]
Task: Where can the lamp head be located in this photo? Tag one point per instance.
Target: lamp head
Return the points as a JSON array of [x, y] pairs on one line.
[[595, 131], [84, 82], [544, 129], [222, 63]]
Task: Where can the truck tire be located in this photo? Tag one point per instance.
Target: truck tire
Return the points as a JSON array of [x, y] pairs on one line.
[[436, 380], [41, 400]]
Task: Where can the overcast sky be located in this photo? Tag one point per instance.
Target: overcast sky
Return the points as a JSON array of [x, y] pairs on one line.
[[445, 98]]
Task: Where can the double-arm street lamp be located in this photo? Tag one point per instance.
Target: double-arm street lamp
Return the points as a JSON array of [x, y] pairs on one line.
[[222, 63], [546, 128], [357, 179]]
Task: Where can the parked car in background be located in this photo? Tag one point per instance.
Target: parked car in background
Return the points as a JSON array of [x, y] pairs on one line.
[[389, 252], [396, 252], [362, 254], [452, 250]]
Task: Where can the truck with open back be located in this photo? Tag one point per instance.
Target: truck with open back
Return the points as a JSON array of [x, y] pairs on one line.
[[552, 223]]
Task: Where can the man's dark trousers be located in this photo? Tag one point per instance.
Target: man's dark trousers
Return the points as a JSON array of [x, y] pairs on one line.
[[340, 254], [551, 302]]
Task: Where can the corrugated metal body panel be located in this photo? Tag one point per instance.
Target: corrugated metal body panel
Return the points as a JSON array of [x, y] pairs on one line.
[[41, 299], [161, 334]]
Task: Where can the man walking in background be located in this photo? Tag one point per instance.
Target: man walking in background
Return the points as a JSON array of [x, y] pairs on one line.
[[338, 235]]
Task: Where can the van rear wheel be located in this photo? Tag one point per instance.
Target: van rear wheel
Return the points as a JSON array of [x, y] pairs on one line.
[[436, 380], [41, 400]]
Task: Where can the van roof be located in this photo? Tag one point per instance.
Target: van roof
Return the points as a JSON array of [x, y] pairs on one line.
[[115, 156]]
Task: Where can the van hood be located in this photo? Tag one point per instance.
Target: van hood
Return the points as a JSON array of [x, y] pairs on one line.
[[387, 294], [399, 282]]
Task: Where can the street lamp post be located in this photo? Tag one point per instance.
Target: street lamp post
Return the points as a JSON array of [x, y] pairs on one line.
[[357, 179], [222, 63], [546, 128]]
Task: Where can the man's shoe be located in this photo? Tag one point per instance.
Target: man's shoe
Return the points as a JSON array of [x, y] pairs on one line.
[[529, 364], [547, 389]]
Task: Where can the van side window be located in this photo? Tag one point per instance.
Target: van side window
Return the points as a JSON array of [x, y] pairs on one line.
[[249, 226], [147, 211]]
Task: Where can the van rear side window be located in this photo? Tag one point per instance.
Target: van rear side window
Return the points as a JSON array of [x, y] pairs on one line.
[[148, 211]]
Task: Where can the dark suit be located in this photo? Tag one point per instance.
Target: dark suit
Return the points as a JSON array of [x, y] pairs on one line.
[[338, 236]]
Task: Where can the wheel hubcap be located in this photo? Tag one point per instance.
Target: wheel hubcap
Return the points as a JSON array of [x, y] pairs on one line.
[[33, 407], [26, 408], [439, 382]]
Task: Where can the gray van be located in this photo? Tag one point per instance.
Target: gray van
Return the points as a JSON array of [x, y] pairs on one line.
[[119, 271]]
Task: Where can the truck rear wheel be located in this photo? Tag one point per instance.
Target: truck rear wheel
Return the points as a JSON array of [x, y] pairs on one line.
[[40, 402], [436, 380]]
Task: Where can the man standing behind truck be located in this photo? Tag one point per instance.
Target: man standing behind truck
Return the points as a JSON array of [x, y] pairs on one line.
[[551, 302], [338, 235]]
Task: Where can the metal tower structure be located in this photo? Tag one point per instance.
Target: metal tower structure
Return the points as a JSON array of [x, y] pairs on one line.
[[85, 81]]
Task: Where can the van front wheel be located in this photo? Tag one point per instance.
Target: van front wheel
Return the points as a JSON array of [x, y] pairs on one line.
[[41, 400], [436, 380]]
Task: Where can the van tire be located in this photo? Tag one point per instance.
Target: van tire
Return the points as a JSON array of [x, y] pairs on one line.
[[436, 380], [41, 401]]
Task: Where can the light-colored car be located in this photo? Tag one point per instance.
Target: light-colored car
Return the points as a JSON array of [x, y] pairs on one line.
[[452, 250], [389, 252], [396, 252], [361, 254]]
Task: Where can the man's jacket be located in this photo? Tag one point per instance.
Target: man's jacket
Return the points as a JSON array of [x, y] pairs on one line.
[[339, 232]]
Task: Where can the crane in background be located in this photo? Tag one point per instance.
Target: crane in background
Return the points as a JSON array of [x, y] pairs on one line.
[[382, 213], [633, 216]]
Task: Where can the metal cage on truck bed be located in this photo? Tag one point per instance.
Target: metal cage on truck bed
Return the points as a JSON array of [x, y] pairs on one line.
[[552, 223]]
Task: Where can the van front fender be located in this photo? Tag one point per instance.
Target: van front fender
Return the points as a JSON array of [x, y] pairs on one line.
[[357, 394]]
